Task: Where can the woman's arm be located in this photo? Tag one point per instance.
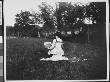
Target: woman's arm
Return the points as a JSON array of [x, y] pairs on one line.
[[53, 44]]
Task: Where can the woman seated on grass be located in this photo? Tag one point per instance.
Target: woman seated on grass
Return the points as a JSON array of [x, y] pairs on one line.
[[56, 49]]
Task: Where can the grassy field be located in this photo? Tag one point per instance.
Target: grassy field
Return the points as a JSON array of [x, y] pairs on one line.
[[23, 61]]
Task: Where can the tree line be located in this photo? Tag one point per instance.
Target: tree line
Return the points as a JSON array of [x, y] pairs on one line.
[[66, 17]]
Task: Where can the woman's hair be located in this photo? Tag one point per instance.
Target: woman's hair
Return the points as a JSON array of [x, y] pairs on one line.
[[58, 34]]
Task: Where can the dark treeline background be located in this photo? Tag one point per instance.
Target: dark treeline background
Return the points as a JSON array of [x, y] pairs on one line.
[[68, 19]]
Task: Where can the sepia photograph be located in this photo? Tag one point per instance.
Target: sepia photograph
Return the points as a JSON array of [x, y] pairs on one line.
[[55, 40]]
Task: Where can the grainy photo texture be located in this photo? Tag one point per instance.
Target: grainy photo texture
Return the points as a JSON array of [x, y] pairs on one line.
[[55, 40]]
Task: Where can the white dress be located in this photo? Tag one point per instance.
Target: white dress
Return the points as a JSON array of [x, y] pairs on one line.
[[56, 50]]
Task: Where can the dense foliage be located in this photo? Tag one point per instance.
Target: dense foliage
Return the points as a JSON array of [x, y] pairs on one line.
[[66, 17]]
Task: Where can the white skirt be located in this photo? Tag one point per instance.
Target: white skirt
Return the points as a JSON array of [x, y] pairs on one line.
[[55, 58], [57, 50]]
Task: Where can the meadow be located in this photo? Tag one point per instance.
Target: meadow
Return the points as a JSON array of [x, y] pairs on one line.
[[23, 56]]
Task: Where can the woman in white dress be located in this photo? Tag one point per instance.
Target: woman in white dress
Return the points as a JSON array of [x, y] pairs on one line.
[[56, 50]]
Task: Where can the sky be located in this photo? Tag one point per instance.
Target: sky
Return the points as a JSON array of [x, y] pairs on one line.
[[12, 7]]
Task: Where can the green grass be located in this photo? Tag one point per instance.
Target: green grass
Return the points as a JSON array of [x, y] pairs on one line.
[[23, 61]]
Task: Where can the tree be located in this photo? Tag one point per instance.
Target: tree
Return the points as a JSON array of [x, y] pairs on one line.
[[65, 17], [47, 15], [96, 10], [68, 15], [23, 19], [26, 22], [22, 22], [9, 31]]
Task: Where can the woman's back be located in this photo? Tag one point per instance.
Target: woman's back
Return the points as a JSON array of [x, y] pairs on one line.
[[59, 42], [56, 50]]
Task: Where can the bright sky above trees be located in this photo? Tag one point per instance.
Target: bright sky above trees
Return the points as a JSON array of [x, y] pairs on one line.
[[12, 7]]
